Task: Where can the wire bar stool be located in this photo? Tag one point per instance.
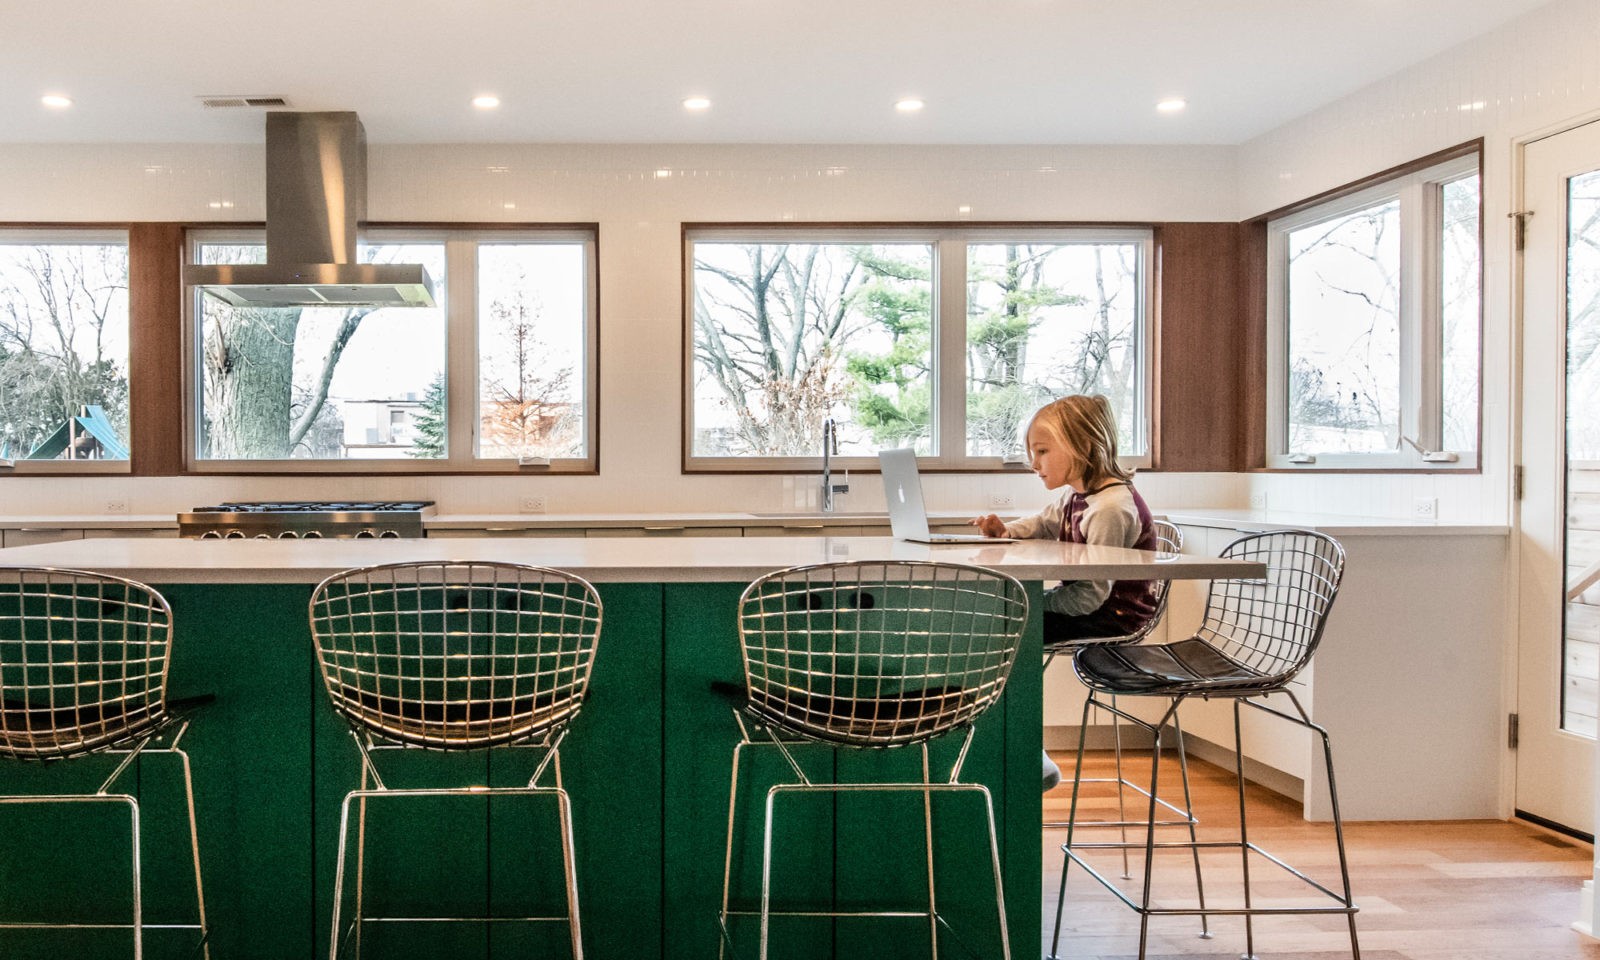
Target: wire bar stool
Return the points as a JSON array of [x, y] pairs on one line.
[[83, 671], [1257, 635], [1169, 542], [454, 656], [871, 655]]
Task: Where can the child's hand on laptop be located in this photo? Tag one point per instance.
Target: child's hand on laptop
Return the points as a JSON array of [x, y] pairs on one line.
[[991, 525]]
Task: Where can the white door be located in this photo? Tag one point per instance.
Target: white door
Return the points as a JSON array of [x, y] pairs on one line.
[[1559, 632]]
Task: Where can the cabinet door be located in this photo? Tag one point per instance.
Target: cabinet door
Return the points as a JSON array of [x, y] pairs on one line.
[[665, 530], [137, 533], [478, 533], [23, 536]]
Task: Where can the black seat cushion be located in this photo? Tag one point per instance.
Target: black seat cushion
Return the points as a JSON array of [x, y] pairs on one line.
[[1187, 666], [891, 718], [457, 724], [37, 731]]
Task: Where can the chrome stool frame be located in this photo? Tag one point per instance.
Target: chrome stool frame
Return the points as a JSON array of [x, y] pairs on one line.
[[871, 655], [454, 656], [1257, 636], [1169, 541], [83, 671]]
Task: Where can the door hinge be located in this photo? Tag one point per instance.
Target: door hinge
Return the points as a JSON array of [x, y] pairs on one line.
[[1512, 724], [1521, 226], [1516, 482]]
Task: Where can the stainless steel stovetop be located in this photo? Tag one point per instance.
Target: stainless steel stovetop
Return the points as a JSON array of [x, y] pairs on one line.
[[307, 520]]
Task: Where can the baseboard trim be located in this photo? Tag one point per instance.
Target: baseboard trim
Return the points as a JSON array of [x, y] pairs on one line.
[[1136, 738]]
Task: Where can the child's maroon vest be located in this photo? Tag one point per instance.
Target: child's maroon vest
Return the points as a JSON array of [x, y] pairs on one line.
[[1132, 602]]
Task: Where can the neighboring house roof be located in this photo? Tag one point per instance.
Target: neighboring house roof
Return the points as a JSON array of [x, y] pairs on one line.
[[92, 421]]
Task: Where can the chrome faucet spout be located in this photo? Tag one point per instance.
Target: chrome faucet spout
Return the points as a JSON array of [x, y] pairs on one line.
[[830, 446]]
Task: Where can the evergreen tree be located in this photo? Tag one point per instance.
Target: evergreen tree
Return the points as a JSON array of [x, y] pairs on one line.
[[430, 424]]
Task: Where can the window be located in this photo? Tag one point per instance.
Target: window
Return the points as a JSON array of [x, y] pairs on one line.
[[1373, 325], [64, 350], [498, 376], [940, 339]]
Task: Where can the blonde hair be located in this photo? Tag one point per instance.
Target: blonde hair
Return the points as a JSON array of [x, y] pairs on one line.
[[1086, 425]]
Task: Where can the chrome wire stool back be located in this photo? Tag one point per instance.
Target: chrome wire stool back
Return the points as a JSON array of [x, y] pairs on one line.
[[1169, 542], [1257, 636], [83, 671], [454, 656], [867, 655]]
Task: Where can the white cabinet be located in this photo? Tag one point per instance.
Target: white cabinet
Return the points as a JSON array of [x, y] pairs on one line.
[[23, 536], [1406, 681], [505, 531], [665, 530]]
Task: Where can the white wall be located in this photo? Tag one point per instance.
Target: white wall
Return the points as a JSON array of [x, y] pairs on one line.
[[639, 213], [1534, 76]]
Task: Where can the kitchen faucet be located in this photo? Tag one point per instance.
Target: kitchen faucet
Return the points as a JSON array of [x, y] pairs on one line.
[[830, 449]]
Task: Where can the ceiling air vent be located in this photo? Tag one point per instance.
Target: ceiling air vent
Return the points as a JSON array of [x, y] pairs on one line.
[[215, 102]]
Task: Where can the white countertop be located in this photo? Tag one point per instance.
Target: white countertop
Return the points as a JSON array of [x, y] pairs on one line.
[[619, 559], [1335, 525], [1332, 524]]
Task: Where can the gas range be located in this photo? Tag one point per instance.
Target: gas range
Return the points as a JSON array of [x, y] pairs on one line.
[[307, 520]]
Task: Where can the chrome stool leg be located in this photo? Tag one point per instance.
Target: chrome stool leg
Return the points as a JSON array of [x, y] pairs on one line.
[[727, 857], [927, 831], [194, 849], [1244, 834], [138, 883]]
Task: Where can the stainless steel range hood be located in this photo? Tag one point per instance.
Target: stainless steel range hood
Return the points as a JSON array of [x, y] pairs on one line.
[[316, 206]]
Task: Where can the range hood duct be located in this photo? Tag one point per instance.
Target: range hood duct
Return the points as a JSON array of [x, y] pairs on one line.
[[316, 206]]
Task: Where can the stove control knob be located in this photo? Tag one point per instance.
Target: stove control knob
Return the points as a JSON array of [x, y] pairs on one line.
[[365, 535], [313, 535], [389, 535], [288, 535], [263, 536], [211, 535], [234, 535]]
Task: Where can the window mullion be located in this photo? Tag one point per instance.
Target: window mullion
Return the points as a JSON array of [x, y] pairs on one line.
[[461, 351], [1430, 317], [1278, 343], [950, 350]]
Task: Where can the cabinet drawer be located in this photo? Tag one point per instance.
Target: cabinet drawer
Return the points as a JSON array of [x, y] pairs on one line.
[[665, 530], [482, 532], [24, 536]]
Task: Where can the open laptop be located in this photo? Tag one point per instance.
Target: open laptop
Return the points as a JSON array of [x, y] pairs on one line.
[[908, 518]]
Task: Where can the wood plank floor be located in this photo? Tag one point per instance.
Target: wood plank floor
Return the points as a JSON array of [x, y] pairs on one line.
[[1470, 890]]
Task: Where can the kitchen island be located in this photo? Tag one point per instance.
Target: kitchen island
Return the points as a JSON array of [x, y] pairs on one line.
[[647, 764]]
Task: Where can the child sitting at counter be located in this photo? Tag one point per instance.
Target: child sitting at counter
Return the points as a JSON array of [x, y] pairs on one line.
[[1072, 443]]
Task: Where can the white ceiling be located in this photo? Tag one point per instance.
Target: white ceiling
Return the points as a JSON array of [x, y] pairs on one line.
[[825, 71]]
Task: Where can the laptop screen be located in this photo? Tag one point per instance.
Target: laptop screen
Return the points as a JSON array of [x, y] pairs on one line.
[[902, 491]]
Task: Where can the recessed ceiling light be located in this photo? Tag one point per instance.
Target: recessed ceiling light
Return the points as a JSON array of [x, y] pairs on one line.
[[486, 102], [663, 173], [509, 206], [909, 105], [56, 101], [1171, 104], [697, 103], [1474, 105], [963, 209]]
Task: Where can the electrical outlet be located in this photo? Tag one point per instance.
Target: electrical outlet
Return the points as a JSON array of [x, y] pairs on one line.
[[1002, 501], [116, 506], [1258, 500], [533, 504], [1425, 508]]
